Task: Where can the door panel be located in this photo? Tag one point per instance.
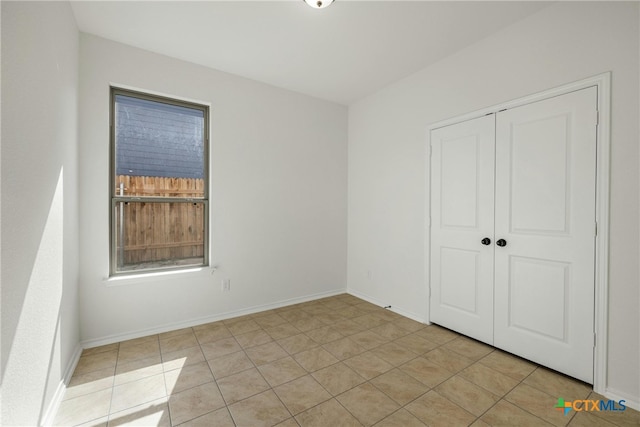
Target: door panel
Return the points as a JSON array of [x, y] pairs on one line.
[[545, 210], [538, 168], [531, 282], [459, 286], [462, 170]]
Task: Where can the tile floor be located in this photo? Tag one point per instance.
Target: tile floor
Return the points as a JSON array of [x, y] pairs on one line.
[[338, 361]]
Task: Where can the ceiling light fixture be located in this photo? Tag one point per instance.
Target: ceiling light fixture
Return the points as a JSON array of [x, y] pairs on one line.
[[318, 4]]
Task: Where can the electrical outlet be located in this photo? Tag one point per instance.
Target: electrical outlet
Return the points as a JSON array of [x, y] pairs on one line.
[[226, 285]]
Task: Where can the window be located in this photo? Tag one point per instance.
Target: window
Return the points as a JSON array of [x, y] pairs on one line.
[[159, 183]]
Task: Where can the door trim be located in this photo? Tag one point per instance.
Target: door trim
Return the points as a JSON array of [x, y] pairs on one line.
[[603, 144]]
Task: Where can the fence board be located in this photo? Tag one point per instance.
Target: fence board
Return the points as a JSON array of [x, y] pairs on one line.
[[156, 232]]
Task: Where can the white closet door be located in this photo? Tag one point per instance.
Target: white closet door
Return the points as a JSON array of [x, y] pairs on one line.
[[462, 171], [545, 212]]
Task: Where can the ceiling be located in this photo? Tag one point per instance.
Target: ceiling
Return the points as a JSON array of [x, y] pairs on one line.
[[342, 53]]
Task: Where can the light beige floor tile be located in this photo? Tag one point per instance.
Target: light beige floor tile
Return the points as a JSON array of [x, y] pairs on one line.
[[330, 318], [368, 339], [314, 359], [219, 348], [437, 334], [508, 364], [301, 394], [100, 349], [138, 369], [155, 413], [467, 395], [97, 362], [270, 320], [489, 379], [367, 306], [426, 371], [368, 365], [297, 343], [587, 419], [264, 409], [242, 385], [230, 364], [416, 343], [479, 423], [282, 331], [289, 422], [89, 383], [390, 331], [435, 410], [394, 353], [557, 384], [337, 378], [243, 327], [281, 371], [138, 392], [369, 320], [352, 312], [329, 413], [325, 334], [399, 386], [505, 414], [185, 357], [343, 348], [266, 353], [408, 324], [402, 418], [253, 338], [537, 403], [349, 327], [448, 359], [469, 348], [187, 377], [217, 418], [368, 404], [143, 350], [83, 408], [178, 342], [195, 402], [291, 314], [211, 332], [308, 324], [388, 315], [627, 418]]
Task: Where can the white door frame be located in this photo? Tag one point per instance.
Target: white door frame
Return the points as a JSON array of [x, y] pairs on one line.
[[601, 309]]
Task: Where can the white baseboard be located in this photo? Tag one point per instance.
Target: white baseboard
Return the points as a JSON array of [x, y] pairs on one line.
[[54, 405], [207, 319], [633, 403], [400, 311]]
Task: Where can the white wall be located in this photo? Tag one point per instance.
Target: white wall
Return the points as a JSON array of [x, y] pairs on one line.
[[40, 331], [278, 196], [387, 134]]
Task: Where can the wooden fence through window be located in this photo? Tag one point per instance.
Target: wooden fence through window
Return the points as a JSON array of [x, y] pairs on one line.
[[160, 232]]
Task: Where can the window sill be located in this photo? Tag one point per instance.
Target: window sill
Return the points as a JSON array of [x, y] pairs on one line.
[[155, 276]]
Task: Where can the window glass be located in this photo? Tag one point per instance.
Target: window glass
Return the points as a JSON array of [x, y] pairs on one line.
[[159, 152]]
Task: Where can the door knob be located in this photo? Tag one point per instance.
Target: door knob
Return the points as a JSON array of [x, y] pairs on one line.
[[486, 241], [501, 242]]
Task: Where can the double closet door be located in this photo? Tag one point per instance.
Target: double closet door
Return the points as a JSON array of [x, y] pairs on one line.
[[513, 230]]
